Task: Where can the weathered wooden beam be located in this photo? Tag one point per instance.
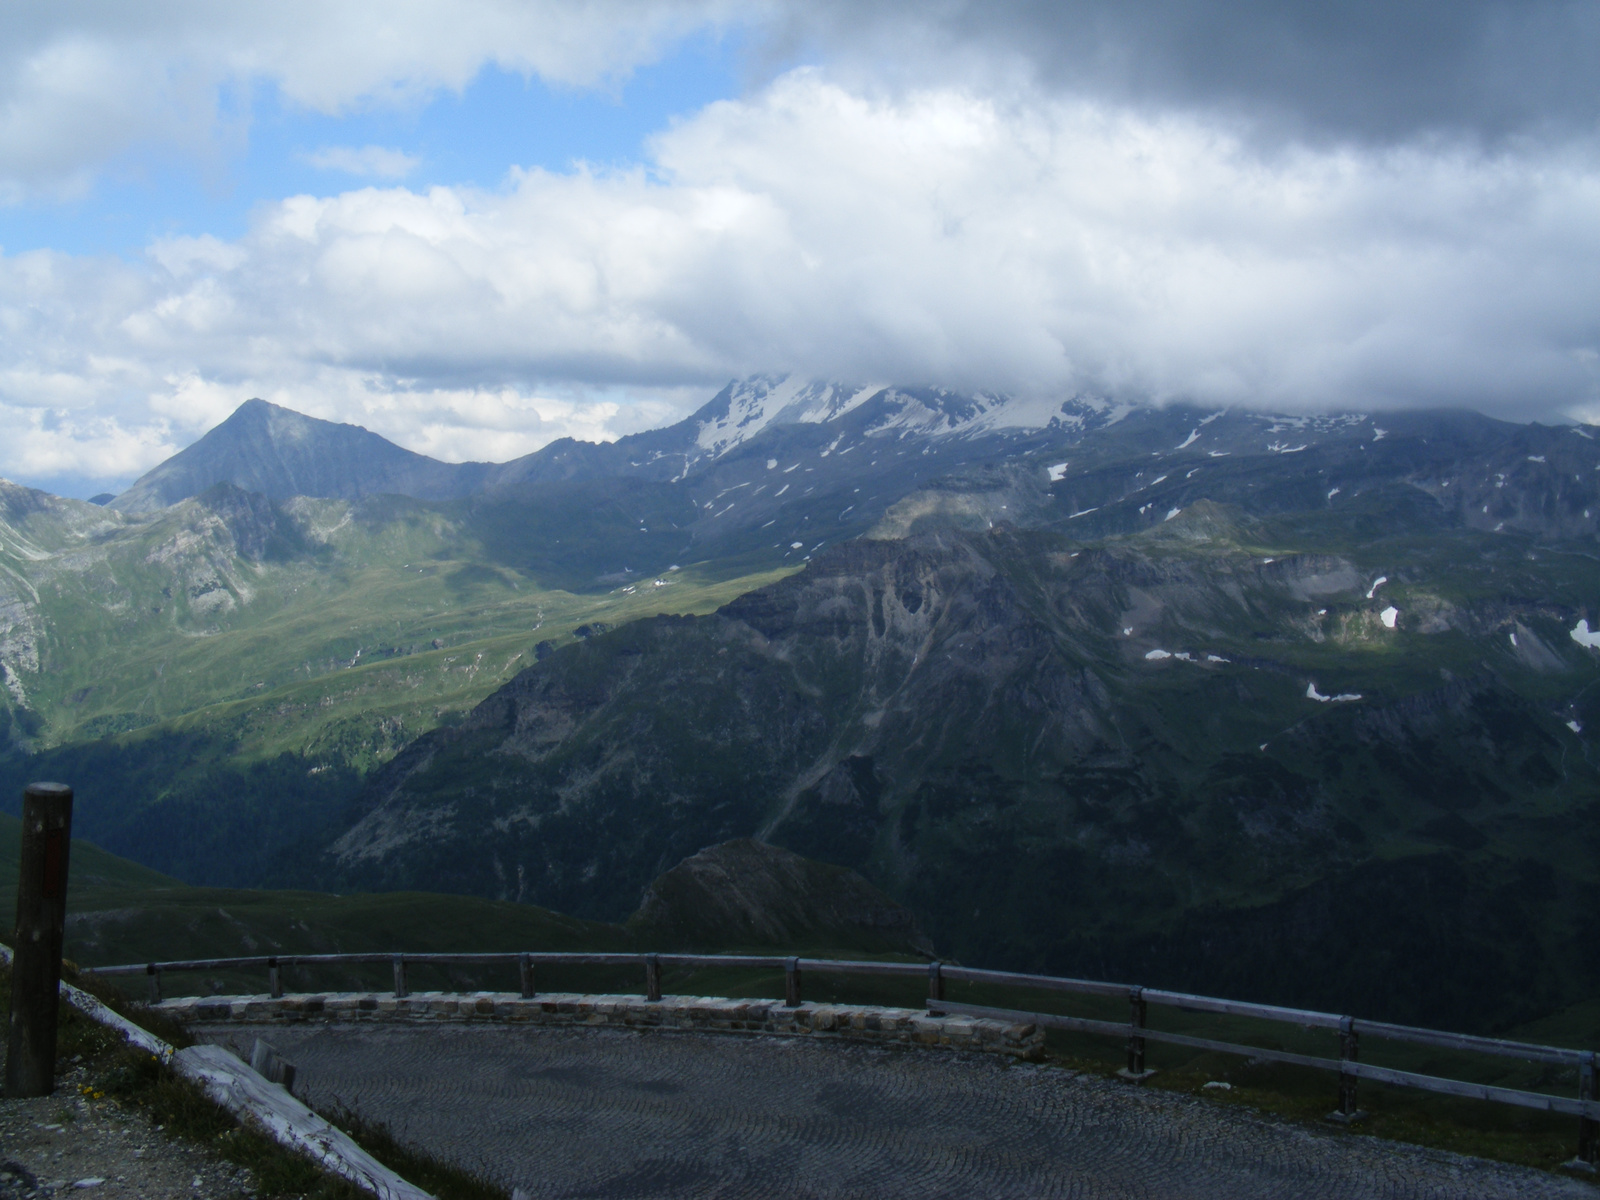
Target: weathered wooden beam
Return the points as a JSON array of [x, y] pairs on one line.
[[1527, 1051], [41, 923], [766, 961], [1428, 1083], [253, 1100], [839, 966], [249, 1097], [1241, 1008], [1048, 983], [1019, 1016]]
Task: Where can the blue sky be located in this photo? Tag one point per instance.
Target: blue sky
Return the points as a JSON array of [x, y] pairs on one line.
[[1292, 206], [473, 137]]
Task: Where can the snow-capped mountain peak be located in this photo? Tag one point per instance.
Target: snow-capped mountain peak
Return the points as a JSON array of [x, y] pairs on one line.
[[747, 406]]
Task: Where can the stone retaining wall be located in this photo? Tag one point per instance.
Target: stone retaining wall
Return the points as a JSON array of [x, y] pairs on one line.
[[902, 1026]]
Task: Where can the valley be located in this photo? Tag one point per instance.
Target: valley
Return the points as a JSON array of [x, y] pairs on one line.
[[1290, 708]]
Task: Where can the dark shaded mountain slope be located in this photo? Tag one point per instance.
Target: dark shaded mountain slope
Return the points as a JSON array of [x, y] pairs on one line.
[[746, 893], [281, 453], [1073, 758]]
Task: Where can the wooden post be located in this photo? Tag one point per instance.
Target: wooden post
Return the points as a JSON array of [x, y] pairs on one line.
[[1588, 1127], [652, 978], [153, 973], [274, 979], [400, 991], [41, 923], [1136, 1020], [1349, 1052], [266, 1062], [525, 962], [935, 980], [791, 984]]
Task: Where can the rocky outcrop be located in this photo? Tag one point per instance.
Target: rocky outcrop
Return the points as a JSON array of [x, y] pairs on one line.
[[746, 893]]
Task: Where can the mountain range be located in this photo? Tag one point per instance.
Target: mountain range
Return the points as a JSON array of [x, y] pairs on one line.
[[1289, 706]]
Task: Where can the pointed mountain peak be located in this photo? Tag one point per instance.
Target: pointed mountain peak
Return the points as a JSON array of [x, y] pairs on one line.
[[266, 448]]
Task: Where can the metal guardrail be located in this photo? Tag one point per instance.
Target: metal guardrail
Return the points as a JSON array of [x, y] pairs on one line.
[[1586, 1106]]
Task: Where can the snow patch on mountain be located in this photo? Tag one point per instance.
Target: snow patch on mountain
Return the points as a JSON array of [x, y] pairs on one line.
[[1341, 698], [1584, 636], [748, 406]]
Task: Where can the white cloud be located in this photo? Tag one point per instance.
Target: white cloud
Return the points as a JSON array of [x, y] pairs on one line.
[[1024, 242], [368, 162], [85, 82]]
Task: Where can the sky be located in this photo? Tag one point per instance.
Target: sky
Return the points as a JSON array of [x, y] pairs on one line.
[[477, 227]]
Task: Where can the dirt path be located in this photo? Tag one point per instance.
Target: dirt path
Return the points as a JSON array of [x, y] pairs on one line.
[[69, 1144]]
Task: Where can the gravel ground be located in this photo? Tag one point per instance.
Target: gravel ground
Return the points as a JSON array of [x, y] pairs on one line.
[[617, 1115], [71, 1145]]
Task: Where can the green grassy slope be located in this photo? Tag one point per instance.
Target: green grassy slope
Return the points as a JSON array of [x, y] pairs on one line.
[[92, 869], [231, 668], [315, 605], [120, 912]]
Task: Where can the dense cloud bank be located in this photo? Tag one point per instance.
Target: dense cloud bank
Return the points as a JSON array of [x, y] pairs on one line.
[[1327, 70], [1284, 205], [81, 82]]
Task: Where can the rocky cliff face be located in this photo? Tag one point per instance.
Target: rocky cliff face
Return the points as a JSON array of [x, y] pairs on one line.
[[746, 893], [1051, 752]]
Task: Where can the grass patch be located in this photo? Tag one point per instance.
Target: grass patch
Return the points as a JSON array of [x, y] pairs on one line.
[[1481, 1129], [428, 1173], [1524, 1137], [181, 1110]]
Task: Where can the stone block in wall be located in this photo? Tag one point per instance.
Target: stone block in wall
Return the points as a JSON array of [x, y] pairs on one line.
[[707, 1013]]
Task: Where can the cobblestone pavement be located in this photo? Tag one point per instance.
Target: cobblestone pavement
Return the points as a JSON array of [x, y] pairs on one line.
[[615, 1114]]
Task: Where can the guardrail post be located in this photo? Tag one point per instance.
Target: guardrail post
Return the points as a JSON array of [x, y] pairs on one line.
[[935, 980], [400, 991], [1588, 1127], [41, 924], [1349, 1052], [1137, 1011], [791, 983], [525, 962], [652, 977], [154, 973], [274, 980]]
